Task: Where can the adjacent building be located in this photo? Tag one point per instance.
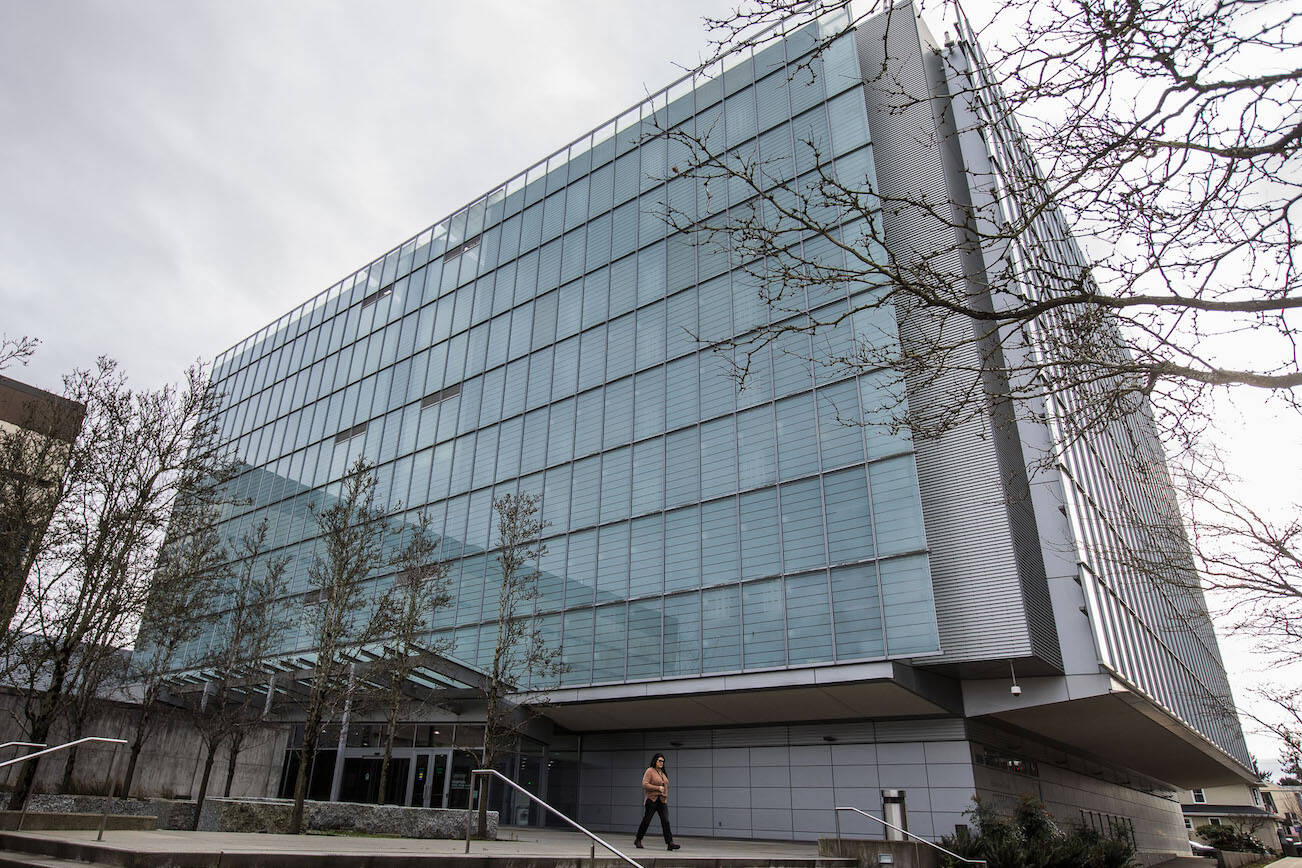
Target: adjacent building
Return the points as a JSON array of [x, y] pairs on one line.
[[36, 431], [1247, 808], [798, 612]]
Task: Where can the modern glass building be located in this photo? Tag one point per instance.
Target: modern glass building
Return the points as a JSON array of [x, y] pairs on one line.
[[796, 610]]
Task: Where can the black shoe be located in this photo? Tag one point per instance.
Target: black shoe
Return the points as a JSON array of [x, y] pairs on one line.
[[637, 842], [673, 846]]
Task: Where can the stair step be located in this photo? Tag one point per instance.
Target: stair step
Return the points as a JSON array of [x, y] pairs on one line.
[[31, 860]]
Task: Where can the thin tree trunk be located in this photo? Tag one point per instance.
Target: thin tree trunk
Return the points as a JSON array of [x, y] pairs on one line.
[[306, 755], [203, 783], [233, 755], [40, 733], [483, 789], [388, 748], [69, 764], [137, 745]]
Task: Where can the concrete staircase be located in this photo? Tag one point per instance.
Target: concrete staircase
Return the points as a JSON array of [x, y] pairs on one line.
[[42, 821], [45, 850]]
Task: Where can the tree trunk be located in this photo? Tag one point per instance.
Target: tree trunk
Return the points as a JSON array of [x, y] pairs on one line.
[[69, 764], [137, 745], [306, 755], [388, 746], [483, 790], [203, 783], [40, 731], [236, 744], [384, 768]]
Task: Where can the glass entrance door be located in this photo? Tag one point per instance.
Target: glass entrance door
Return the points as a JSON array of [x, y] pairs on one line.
[[430, 779], [463, 762]]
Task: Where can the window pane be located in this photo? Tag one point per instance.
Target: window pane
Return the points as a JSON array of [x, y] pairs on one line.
[[646, 556], [608, 646], [910, 612], [616, 483], [612, 563], [581, 569], [797, 451], [682, 549], [809, 619], [682, 635], [838, 425], [720, 557], [618, 418], [763, 643], [718, 458], [649, 403], [644, 638], [721, 629], [802, 526], [576, 647], [648, 476], [760, 534], [683, 466], [897, 509], [756, 449], [849, 529]]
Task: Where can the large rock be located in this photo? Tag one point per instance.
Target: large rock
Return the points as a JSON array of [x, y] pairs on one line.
[[171, 813], [249, 815]]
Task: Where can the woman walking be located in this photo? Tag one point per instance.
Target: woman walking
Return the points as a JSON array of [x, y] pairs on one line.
[[655, 786]]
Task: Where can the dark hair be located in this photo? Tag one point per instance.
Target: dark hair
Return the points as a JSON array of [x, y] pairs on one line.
[[652, 764]]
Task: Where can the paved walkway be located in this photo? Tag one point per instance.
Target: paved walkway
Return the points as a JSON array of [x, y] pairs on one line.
[[514, 841], [1287, 862]]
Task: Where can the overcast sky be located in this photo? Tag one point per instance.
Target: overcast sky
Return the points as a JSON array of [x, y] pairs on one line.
[[175, 175]]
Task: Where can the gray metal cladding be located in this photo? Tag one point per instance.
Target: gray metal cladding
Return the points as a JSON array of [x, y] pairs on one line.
[[981, 604]]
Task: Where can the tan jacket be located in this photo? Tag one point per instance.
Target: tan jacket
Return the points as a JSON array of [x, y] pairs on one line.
[[655, 785]]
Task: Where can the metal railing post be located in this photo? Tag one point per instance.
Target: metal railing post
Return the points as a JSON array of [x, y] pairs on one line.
[[108, 793], [9, 775], [117, 742], [22, 817], [519, 789], [468, 812], [836, 812]]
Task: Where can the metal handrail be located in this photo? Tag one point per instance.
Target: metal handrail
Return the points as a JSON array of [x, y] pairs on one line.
[[21, 744], [836, 814], [513, 785], [108, 777]]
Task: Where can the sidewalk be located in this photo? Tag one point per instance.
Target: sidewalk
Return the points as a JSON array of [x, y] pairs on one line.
[[514, 842]]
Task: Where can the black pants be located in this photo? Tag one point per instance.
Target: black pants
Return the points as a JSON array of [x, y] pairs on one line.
[[654, 806]]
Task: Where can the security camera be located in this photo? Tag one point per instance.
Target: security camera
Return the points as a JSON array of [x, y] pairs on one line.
[[1016, 690]]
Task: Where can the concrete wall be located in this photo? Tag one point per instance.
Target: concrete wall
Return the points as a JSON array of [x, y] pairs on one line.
[[169, 765], [782, 782], [1074, 797]]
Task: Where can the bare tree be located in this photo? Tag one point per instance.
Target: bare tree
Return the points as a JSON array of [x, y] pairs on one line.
[[523, 659], [1101, 242], [420, 589], [99, 666], [18, 349], [192, 567], [343, 616], [248, 621], [1166, 135], [137, 452], [34, 454]]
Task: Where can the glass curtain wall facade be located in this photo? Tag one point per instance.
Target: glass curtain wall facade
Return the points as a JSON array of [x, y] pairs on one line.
[[546, 339]]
